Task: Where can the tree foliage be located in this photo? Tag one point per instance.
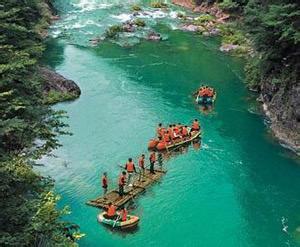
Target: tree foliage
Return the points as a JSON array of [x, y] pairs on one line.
[[274, 27], [28, 129]]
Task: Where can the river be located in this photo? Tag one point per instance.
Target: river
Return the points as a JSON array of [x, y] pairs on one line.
[[240, 188]]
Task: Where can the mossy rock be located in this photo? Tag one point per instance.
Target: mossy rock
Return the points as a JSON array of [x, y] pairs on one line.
[[139, 23], [159, 5], [136, 8], [202, 19], [113, 31]]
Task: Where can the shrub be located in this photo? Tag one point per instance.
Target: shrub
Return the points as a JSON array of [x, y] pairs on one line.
[[113, 31], [136, 8], [159, 5], [229, 6], [202, 19], [139, 23]]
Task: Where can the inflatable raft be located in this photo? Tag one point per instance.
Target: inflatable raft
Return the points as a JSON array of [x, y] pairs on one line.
[[161, 146], [206, 100], [131, 221]]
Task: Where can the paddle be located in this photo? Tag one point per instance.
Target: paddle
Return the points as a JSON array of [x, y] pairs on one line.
[[119, 216]]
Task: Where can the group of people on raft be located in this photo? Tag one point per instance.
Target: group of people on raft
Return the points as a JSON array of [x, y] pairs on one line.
[[173, 134], [205, 91], [126, 178]]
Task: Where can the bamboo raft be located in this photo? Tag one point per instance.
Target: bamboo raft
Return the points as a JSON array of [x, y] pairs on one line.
[[138, 188]]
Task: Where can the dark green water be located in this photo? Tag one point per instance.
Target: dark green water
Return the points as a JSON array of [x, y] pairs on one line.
[[239, 189]]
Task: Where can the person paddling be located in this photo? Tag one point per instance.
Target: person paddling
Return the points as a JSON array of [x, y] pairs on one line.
[[130, 168], [152, 159], [104, 183], [142, 167], [123, 214], [111, 211], [122, 181]]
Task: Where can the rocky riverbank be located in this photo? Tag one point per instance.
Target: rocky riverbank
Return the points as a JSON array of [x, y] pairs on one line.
[[281, 104], [57, 88]]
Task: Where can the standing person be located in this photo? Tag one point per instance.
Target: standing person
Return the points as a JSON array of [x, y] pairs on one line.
[[122, 181], [142, 166], [130, 168], [104, 182], [152, 159]]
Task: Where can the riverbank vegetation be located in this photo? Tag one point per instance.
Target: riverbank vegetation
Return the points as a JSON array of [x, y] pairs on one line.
[[268, 33], [28, 130]]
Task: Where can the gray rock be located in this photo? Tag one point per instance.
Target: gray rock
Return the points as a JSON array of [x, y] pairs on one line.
[[53, 81], [281, 103]]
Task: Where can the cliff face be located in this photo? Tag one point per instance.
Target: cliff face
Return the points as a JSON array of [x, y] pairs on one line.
[[281, 104]]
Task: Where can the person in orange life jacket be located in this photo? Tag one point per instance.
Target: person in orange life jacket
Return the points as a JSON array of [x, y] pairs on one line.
[[152, 159], [195, 125], [142, 166], [171, 132], [210, 92], [184, 131], [122, 181], [104, 183], [111, 212], [176, 131], [167, 137], [130, 168], [160, 130], [123, 213]]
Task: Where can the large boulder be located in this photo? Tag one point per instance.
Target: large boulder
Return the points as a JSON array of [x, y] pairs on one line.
[[57, 88]]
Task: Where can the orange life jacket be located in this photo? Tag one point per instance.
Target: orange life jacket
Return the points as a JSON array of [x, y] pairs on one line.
[[141, 162], [160, 131], [210, 92], [167, 137], [122, 179], [130, 166], [176, 130], [124, 214], [184, 131], [111, 210], [196, 125], [152, 157]]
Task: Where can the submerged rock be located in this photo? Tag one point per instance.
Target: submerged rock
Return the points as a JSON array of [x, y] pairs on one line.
[[228, 47], [154, 36], [190, 27], [57, 88]]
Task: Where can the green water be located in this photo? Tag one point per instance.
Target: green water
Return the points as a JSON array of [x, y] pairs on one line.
[[239, 189]]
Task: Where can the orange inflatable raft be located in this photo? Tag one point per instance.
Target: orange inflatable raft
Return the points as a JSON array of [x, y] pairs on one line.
[[161, 145]]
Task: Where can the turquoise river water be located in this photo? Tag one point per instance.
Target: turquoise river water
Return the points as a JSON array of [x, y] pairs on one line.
[[240, 188]]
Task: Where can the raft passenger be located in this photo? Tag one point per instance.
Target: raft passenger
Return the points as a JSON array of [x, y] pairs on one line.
[[142, 167], [152, 159], [130, 168], [195, 125], [122, 181], [111, 211], [104, 182]]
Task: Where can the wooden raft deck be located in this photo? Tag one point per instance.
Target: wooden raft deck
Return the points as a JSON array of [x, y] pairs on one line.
[[130, 192]]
